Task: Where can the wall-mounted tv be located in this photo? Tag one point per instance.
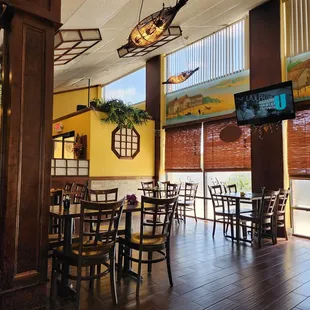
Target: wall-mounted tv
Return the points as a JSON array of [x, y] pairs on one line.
[[265, 105]]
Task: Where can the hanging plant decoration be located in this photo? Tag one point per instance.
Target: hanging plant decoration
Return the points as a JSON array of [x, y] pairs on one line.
[[183, 76], [122, 114]]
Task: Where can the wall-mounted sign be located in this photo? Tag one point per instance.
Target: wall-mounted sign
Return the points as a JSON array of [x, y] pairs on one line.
[[58, 127]]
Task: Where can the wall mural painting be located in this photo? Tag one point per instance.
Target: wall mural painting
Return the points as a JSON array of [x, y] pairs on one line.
[[205, 100], [298, 70]]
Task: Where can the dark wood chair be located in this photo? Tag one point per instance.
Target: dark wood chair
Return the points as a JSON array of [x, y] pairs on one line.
[[103, 195], [68, 187], [154, 236], [80, 192], [222, 212], [163, 185], [281, 214], [84, 254], [55, 233], [262, 219], [147, 188], [187, 199], [173, 190]]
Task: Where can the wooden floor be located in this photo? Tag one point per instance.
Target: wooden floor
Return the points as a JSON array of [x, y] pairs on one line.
[[214, 274]]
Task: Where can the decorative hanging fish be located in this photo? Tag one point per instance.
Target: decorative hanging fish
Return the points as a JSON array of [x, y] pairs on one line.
[[183, 76]]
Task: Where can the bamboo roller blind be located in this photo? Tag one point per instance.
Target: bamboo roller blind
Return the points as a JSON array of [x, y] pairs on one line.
[[220, 155], [183, 148], [298, 136]]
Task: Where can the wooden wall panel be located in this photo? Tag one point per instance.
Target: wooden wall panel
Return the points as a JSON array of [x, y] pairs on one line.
[[49, 9], [265, 69], [29, 208], [28, 122]]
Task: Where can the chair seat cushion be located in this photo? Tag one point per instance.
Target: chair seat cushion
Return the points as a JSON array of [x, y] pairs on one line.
[[135, 238], [54, 237], [89, 250]]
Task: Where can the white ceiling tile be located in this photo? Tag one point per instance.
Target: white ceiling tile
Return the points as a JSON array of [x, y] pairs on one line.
[[116, 18]]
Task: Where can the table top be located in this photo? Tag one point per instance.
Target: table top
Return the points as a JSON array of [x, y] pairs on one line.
[[247, 196], [75, 210]]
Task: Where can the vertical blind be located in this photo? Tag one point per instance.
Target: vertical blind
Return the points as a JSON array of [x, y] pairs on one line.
[[218, 55], [299, 144], [183, 148], [221, 155], [297, 23]]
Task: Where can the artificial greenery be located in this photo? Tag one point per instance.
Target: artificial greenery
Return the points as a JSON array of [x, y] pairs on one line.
[[121, 114]]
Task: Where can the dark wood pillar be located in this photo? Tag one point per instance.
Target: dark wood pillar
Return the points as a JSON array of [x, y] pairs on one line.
[[153, 86], [26, 152], [265, 69]]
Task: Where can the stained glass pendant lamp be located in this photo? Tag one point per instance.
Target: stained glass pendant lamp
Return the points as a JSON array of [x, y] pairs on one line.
[[152, 27], [180, 78]]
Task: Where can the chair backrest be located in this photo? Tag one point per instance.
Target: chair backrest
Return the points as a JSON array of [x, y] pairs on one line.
[[68, 187], [56, 198], [269, 202], [103, 195], [151, 209], [190, 191], [108, 213], [147, 188], [163, 184], [232, 188], [80, 193], [172, 190], [283, 197], [217, 201]]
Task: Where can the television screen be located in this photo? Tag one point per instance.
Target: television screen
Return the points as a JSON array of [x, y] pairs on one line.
[[265, 105]]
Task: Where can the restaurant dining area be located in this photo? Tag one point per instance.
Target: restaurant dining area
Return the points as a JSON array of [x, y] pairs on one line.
[[155, 156]]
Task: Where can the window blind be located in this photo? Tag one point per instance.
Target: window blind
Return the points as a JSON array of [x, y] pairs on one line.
[[297, 23], [220, 155], [298, 136], [183, 148], [220, 54]]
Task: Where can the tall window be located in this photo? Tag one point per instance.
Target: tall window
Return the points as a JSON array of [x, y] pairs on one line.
[[296, 25], [218, 55], [130, 88]]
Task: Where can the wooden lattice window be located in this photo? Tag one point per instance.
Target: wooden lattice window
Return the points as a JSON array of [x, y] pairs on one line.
[[125, 142]]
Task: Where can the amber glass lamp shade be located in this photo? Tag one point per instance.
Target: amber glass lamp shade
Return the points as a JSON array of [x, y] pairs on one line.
[[151, 28], [177, 79]]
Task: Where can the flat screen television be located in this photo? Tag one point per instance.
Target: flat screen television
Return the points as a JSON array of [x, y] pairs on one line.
[[265, 105]]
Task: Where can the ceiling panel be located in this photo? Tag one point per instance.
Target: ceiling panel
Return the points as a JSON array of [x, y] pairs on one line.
[[116, 18]]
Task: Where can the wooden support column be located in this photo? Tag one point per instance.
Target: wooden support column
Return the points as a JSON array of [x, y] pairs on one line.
[[26, 145], [265, 69], [153, 87]]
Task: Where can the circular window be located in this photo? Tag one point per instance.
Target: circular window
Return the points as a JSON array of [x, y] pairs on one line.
[[125, 142]]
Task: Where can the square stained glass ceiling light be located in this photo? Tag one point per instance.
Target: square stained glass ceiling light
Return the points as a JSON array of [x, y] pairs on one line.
[[71, 43]]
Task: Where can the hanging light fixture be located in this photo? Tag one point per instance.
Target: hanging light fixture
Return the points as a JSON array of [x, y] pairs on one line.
[[151, 28], [180, 78]]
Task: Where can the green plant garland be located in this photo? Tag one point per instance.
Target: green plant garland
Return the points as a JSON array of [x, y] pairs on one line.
[[120, 113]]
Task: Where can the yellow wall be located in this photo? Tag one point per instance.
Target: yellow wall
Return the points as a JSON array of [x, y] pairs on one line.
[[140, 105], [103, 162], [80, 124], [65, 103]]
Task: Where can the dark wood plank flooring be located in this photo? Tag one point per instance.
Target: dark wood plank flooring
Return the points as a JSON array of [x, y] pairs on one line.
[[214, 274]]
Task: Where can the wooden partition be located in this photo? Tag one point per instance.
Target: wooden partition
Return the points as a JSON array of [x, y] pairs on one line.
[[265, 69], [26, 152]]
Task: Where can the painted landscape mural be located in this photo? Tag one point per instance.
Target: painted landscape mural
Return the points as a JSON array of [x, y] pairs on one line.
[[298, 70], [205, 100]]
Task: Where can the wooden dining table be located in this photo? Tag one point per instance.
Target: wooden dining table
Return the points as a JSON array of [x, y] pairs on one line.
[[238, 197], [67, 215]]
